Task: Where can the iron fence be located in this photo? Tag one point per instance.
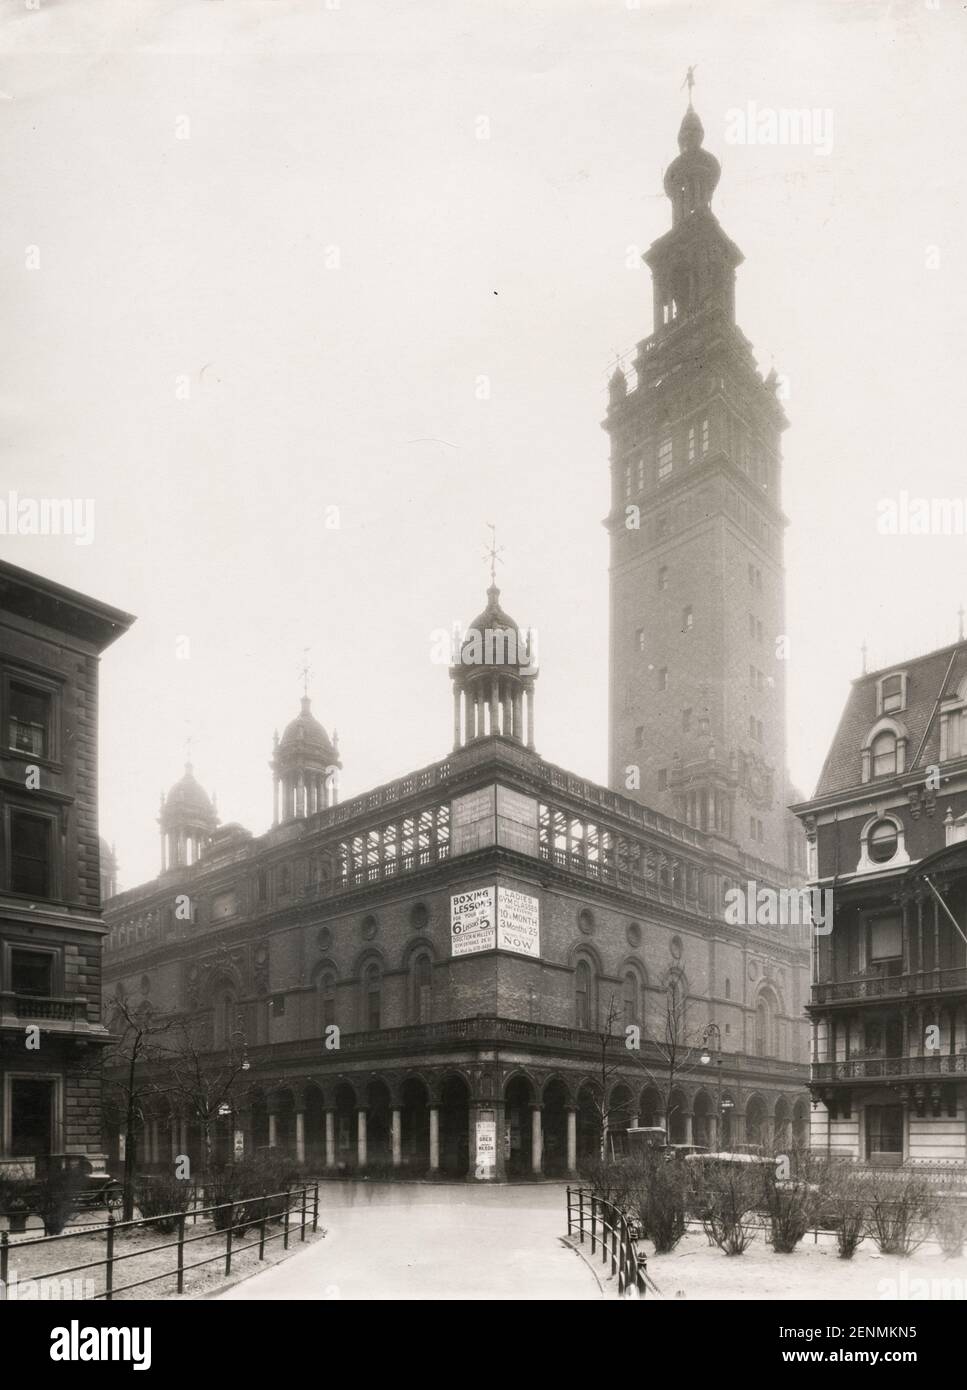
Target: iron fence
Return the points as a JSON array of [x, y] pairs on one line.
[[608, 1229], [256, 1210]]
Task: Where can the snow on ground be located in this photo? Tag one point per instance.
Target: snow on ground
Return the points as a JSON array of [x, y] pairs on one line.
[[813, 1271]]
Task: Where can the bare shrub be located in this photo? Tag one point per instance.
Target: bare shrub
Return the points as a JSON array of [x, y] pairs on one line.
[[950, 1226], [164, 1198], [727, 1196], [663, 1201], [845, 1206], [900, 1213]]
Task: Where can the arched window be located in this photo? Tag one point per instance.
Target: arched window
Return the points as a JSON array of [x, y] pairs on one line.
[[761, 1028], [422, 988], [327, 999], [883, 841], [883, 752], [630, 997], [227, 1016], [583, 987], [373, 995]]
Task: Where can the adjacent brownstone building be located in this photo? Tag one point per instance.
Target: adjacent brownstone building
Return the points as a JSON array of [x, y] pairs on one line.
[[51, 934]]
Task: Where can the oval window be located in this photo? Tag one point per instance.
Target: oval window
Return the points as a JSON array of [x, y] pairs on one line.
[[883, 841]]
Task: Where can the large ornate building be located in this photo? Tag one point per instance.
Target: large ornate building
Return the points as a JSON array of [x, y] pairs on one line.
[[422, 975], [887, 828]]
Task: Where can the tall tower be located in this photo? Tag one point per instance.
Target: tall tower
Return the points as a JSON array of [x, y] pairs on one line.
[[697, 689]]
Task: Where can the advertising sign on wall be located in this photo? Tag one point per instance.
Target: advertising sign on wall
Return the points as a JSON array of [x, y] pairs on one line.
[[486, 1160], [472, 922], [518, 922]]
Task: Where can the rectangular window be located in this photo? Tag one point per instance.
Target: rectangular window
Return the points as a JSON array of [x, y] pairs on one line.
[[641, 472], [663, 577], [640, 639], [884, 1131], [627, 479], [705, 436], [691, 443], [892, 693], [278, 1006], [663, 779], [32, 972], [29, 730], [663, 678], [29, 854], [752, 676], [639, 735], [686, 720], [687, 619], [885, 937], [665, 457]]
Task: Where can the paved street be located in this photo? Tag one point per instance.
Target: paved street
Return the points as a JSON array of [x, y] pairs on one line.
[[417, 1241]]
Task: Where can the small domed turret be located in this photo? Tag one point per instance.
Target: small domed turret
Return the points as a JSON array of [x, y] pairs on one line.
[[493, 676], [304, 765], [187, 819]]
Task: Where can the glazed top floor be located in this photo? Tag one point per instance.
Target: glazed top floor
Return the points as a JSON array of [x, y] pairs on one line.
[[494, 794]]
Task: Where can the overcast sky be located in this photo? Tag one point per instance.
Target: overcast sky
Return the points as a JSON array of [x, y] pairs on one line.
[[333, 222]]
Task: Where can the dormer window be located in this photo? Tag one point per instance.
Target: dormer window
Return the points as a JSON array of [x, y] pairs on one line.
[[883, 752], [891, 693]]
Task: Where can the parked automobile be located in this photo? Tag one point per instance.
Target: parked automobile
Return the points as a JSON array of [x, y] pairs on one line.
[[92, 1184]]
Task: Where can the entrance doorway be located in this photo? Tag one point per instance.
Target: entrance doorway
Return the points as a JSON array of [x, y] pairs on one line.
[[31, 1117]]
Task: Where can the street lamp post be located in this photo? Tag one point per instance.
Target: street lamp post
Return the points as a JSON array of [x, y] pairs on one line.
[[710, 1030]]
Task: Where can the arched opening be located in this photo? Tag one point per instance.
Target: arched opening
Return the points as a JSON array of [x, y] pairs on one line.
[[282, 1105], [555, 1129], [676, 1121], [260, 1123], [422, 987], [651, 1108], [755, 1121], [326, 1000], [589, 1126], [454, 1127], [344, 1102], [727, 1123], [630, 999], [620, 1114], [702, 1128], [800, 1124], [518, 1099], [378, 1139], [584, 1007], [781, 1124], [415, 1125], [372, 1002], [315, 1123]]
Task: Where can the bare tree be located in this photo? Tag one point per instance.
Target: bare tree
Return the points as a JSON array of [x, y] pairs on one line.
[[202, 1080], [670, 1053], [135, 1045], [611, 1040]]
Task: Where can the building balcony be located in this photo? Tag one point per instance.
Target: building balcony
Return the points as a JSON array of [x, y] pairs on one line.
[[877, 986], [890, 1069], [19, 1010], [489, 1032]]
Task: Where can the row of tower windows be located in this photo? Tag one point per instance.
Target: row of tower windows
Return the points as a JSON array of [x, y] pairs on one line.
[[698, 438]]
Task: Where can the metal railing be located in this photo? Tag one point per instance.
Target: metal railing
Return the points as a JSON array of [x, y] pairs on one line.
[[240, 1218], [607, 1228], [870, 986], [875, 1068]]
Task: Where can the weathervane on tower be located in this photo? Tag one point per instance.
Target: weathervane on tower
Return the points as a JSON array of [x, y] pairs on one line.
[[493, 554], [305, 671], [690, 80]]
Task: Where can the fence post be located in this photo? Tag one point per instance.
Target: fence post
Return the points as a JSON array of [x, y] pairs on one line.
[[228, 1238], [593, 1202], [4, 1257], [315, 1210], [581, 1212], [567, 1199], [262, 1232], [614, 1242], [302, 1233], [109, 1269], [285, 1237], [181, 1253]]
